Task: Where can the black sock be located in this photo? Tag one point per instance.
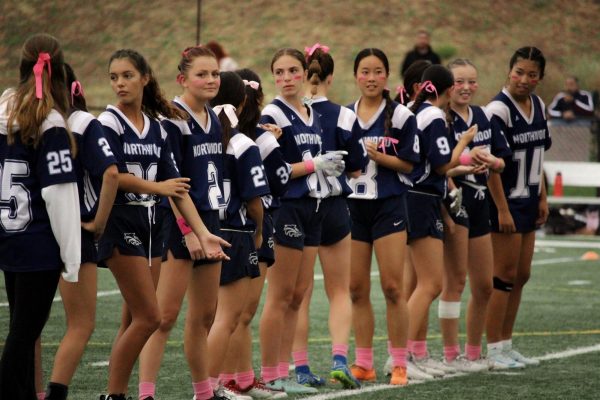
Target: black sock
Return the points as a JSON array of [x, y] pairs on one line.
[[56, 391]]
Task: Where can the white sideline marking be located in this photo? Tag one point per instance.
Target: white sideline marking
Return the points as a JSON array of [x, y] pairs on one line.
[[102, 293], [561, 260], [377, 388], [579, 283], [592, 244], [99, 364]]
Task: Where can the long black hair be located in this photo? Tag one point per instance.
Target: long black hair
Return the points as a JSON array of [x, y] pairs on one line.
[[250, 115], [440, 77]]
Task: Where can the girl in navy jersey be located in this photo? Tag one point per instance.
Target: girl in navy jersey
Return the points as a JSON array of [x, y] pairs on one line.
[[132, 239], [299, 217], [197, 148], [38, 204], [468, 247], [377, 209], [519, 198], [340, 132], [424, 207], [97, 181]]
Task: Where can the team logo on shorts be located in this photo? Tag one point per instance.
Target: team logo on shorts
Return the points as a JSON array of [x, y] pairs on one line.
[[291, 230], [462, 212], [253, 258], [439, 225], [132, 239], [271, 242]]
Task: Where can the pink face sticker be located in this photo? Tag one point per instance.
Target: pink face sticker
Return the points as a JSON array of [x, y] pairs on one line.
[[278, 80], [534, 81], [297, 77], [515, 77], [361, 78], [381, 78]]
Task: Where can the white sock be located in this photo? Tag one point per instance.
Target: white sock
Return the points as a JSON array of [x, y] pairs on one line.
[[494, 348]]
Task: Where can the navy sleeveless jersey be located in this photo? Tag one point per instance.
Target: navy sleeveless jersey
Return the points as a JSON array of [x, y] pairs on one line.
[[94, 156], [376, 181], [528, 138], [488, 134], [244, 178], [341, 131], [145, 154], [26, 239]]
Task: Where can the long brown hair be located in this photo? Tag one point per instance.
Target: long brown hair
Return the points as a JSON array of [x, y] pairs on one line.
[[28, 111]]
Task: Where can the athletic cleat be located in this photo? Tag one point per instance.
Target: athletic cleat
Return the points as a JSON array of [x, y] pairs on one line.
[[425, 365], [415, 373], [518, 357], [229, 392], [258, 390], [499, 361], [399, 376], [290, 387], [462, 364], [309, 379], [362, 374], [437, 365], [341, 373]]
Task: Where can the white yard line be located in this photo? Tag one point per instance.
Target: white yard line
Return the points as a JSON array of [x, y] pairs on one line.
[[102, 293], [376, 388], [592, 244]]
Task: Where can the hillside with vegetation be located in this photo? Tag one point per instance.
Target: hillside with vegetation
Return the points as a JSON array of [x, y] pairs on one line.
[[251, 31]]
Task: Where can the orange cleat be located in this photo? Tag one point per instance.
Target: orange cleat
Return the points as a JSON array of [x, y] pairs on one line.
[[399, 376], [362, 374]]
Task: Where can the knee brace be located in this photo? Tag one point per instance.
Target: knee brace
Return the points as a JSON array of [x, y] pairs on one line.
[[449, 309], [501, 285]]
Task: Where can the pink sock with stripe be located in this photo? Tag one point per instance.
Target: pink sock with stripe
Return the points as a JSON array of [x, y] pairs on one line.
[[245, 379], [203, 390], [451, 352], [473, 352], [146, 389], [420, 348], [283, 369], [340, 350], [269, 374], [226, 377], [398, 356], [300, 357], [364, 357]]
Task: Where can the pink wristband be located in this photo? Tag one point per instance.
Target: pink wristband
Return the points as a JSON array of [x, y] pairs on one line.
[[465, 159], [497, 164], [309, 166], [183, 226]]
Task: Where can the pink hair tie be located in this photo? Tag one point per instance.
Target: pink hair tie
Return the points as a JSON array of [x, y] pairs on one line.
[[76, 90], [429, 88], [38, 69], [253, 84], [184, 228], [386, 141], [310, 50], [401, 91]]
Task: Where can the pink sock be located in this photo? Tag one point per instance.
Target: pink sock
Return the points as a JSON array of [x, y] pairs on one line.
[[283, 369], [398, 356], [203, 390], [226, 378], [340, 350], [214, 382], [245, 379], [473, 352], [451, 352], [41, 395], [410, 345], [269, 374], [364, 357], [300, 357], [146, 389], [420, 348]]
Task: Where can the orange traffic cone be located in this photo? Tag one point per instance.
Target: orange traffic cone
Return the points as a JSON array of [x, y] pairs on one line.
[[558, 185], [590, 256]]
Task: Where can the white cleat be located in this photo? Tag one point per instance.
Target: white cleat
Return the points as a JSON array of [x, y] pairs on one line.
[[426, 365], [520, 358], [462, 364], [414, 373], [499, 362]]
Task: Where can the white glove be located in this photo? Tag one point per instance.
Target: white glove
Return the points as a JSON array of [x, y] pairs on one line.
[[331, 163], [455, 200]]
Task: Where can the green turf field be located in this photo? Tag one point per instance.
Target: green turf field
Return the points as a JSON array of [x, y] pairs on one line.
[[560, 311]]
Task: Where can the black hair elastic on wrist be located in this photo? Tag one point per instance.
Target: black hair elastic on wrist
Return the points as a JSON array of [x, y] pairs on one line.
[[499, 284]]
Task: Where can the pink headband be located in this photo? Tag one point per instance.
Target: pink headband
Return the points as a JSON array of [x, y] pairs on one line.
[[310, 50], [76, 90], [253, 84], [38, 69], [401, 92], [429, 88]]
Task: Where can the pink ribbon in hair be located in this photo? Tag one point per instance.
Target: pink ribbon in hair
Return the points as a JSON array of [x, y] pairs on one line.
[[386, 141], [310, 50], [253, 84], [38, 69], [429, 88], [76, 90], [401, 92]]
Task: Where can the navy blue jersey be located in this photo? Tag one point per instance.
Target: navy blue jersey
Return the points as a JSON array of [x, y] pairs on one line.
[[244, 178], [376, 181], [341, 131], [26, 239], [94, 156], [198, 152], [300, 141], [145, 154], [489, 135], [528, 138], [436, 150]]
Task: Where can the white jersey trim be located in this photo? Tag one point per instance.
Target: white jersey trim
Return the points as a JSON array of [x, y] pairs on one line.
[[500, 110], [53, 120], [144, 131], [401, 114], [369, 123], [266, 144], [428, 115], [277, 114], [346, 119], [239, 144], [79, 121]]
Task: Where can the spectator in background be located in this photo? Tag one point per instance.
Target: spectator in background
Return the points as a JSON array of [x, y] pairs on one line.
[[572, 104], [226, 63], [422, 51]]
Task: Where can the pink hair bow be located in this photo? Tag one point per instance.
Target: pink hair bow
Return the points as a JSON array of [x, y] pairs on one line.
[[253, 84], [229, 111], [429, 88], [401, 91], [386, 141], [76, 90], [310, 50], [38, 69]]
